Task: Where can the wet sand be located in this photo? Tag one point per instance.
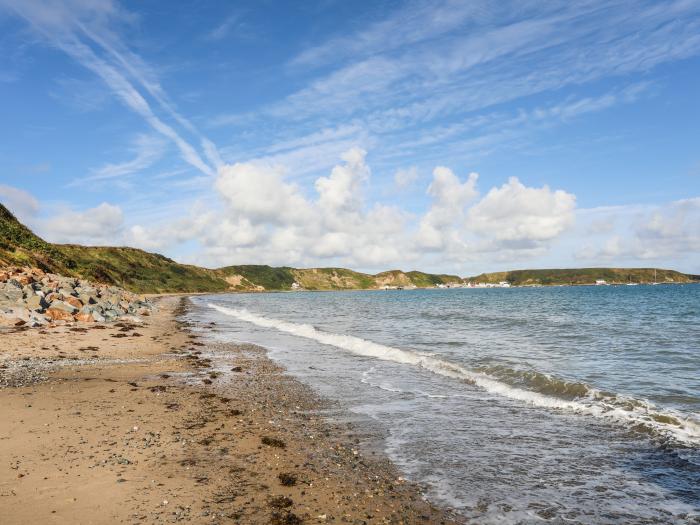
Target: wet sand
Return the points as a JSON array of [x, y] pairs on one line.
[[130, 423]]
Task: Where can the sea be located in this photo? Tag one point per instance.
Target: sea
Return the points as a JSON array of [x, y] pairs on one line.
[[571, 405]]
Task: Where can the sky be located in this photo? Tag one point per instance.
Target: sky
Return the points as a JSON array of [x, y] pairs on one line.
[[445, 136]]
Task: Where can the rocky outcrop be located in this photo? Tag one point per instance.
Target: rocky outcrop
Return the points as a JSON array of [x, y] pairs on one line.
[[30, 297]]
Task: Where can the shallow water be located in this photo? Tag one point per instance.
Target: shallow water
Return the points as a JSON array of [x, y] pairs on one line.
[[558, 405]]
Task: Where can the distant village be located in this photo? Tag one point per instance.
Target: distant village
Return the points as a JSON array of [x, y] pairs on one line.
[[465, 284]]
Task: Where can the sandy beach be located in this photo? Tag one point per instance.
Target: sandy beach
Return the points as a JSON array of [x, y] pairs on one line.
[[134, 423]]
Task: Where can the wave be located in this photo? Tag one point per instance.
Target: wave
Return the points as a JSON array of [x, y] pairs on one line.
[[540, 389]]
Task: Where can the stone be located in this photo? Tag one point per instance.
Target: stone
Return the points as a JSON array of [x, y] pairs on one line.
[[74, 301], [85, 317], [87, 298], [11, 321], [53, 296], [12, 292], [35, 302], [25, 279], [61, 305], [56, 314]]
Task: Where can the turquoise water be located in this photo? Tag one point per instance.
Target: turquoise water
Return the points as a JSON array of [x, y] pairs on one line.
[[544, 405]]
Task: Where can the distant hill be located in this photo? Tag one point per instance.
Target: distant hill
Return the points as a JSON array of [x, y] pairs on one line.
[[584, 276], [261, 277], [145, 272]]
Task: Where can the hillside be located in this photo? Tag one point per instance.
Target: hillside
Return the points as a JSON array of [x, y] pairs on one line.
[[129, 268], [584, 276], [144, 272], [261, 277]]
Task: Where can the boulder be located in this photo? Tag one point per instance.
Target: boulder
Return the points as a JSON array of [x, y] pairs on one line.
[[25, 279], [17, 312], [56, 314], [74, 301], [54, 296], [87, 298], [64, 306], [67, 291], [12, 292], [11, 321], [35, 302], [85, 317]]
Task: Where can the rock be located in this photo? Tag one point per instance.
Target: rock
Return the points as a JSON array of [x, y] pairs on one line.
[[60, 299], [35, 302], [52, 296], [25, 279], [11, 321], [85, 317], [12, 292], [87, 298], [56, 314], [61, 305], [74, 301], [66, 291]]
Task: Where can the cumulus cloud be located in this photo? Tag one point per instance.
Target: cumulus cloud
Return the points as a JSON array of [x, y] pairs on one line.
[[99, 225], [515, 213], [449, 199], [341, 192], [257, 215], [19, 202], [259, 192], [265, 218]]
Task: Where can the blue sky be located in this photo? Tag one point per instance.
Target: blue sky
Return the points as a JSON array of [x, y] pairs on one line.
[[445, 136]]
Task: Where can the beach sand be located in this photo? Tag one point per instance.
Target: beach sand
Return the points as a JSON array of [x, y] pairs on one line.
[[129, 423]]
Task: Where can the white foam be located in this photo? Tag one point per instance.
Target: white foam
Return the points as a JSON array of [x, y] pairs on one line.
[[687, 431]]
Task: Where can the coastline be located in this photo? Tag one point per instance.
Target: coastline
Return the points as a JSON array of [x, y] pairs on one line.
[[145, 423]]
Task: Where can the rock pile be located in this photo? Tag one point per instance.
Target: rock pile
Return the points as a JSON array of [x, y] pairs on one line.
[[30, 297]]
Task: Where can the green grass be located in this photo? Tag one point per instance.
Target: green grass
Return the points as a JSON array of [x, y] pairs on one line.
[[268, 277], [140, 271]]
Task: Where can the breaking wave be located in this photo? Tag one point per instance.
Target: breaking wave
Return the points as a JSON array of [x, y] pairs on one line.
[[526, 386]]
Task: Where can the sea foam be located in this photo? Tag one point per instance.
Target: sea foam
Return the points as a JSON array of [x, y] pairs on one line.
[[637, 414]]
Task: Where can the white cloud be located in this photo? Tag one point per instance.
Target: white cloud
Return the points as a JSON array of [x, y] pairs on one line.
[[515, 213], [102, 224], [405, 177], [659, 234], [267, 219], [450, 197], [259, 192], [21, 203], [342, 191]]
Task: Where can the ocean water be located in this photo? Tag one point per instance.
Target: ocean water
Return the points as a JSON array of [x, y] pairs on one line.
[[520, 405]]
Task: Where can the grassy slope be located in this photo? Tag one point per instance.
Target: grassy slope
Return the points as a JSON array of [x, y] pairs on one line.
[[584, 276], [140, 271], [20, 247], [129, 268], [268, 277]]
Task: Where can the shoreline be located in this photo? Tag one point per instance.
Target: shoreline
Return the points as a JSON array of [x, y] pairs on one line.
[[145, 423]]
